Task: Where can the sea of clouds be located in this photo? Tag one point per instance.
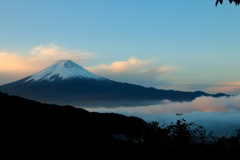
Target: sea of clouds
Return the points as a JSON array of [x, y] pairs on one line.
[[221, 116]]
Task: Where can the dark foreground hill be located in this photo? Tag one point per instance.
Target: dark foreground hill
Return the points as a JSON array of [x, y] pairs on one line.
[[29, 126], [37, 130]]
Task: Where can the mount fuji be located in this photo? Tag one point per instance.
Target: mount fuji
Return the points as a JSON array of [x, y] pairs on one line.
[[67, 83]]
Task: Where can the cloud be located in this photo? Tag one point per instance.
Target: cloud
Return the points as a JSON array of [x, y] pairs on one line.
[[225, 87], [131, 65], [14, 66], [12, 62], [136, 71], [37, 58], [52, 53], [220, 115], [23, 64], [200, 104]]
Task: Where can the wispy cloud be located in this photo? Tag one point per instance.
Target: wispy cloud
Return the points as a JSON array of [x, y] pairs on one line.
[[46, 55], [12, 62], [225, 87], [134, 70], [39, 57], [131, 65]]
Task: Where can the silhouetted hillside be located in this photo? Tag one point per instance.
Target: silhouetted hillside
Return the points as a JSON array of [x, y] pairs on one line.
[[36, 130], [30, 126]]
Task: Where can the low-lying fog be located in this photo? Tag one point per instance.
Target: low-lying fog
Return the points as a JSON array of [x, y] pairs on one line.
[[218, 115]]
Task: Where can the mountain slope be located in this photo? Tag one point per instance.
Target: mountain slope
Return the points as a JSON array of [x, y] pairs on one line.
[[63, 69], [67, 83], [32, 128]]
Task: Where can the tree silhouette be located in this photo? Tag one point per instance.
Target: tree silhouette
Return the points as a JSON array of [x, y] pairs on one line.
[[154, 134], [187, 138], [237, 2]]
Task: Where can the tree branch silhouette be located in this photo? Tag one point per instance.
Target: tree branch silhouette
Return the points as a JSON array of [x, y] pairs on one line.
[[237, 2]]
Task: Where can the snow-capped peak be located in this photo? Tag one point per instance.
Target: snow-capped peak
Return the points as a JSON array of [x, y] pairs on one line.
[[63, 69]]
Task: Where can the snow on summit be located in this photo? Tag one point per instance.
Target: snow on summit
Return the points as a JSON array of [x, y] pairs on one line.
[[64, 69]]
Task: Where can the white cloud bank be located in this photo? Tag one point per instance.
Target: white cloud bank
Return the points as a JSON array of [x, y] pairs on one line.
[[219, 115]]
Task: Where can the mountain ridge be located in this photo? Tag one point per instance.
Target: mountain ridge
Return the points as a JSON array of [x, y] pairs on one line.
[[67, 83]]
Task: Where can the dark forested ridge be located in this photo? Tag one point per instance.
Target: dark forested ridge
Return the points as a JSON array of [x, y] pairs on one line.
[[31, 126], [35, 129]]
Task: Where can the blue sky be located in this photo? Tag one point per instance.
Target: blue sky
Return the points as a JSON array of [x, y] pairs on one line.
[[179, 45]]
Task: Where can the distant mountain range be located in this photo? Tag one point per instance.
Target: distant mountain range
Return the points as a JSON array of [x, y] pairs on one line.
[[67, 83]]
